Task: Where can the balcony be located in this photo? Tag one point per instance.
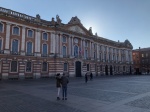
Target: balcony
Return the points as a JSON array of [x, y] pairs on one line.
[[14, 52], [29, 54], [44, 55], [66, 56], [1, 52]]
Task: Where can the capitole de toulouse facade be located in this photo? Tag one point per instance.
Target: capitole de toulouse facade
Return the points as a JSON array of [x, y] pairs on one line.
[[31, 47]]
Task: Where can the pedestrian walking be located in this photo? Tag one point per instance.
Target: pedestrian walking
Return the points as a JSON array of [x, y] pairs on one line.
[[64, 83], [91, 76], [58, 85], [86, 78]]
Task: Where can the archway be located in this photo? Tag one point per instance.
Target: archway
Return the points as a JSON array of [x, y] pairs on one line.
[[78, 68]]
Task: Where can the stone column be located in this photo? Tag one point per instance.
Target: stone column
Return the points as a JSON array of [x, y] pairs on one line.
[[7, 49], [37, 42], [69, 48], [90, 51], [53, 42], [72, 47], [23, 43], [97, 49], [56, 43], [60, 45]]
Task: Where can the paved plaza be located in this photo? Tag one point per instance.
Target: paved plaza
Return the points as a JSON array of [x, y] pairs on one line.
[[103, 94]]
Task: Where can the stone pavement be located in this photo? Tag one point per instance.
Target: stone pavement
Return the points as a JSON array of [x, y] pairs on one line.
[[103, 94]]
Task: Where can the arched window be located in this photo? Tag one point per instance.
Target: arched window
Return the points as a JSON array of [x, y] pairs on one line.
[[30, 33], [15, 46], [45, 36], [65, 67], [76, 51], [44, 51], [1, 27], [64, 51], [28, 66], [14, 65], [44, 67], [15, 30], [29, 48]]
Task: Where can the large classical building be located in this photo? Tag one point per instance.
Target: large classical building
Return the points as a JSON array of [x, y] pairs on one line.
[[141, 60], [31, 47]]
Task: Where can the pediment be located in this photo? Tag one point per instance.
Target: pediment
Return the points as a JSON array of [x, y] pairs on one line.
[[77, 29]]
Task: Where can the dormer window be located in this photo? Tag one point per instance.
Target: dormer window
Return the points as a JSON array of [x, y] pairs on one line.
[[30, 33], [15, 30]]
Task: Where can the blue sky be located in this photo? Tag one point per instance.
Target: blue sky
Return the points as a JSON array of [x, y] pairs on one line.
[[111, 19]]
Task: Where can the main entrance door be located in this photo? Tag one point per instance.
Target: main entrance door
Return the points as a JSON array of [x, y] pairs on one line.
[[78, 69]]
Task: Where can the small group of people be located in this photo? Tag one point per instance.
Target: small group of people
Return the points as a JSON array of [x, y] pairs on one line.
[[62, 82], [86, 77]]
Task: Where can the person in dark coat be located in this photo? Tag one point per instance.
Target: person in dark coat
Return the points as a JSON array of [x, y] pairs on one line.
[[58, 85], [64, 83], [86, 78]]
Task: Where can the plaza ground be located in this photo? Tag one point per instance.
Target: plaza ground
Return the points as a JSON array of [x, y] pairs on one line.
[[130, 93]]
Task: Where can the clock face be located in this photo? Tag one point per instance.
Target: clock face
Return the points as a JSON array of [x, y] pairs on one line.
[[76, 40]]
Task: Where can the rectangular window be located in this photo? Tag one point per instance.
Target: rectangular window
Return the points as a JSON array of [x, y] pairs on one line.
[[45, 36], [142, 55], [1, 27], [65, 67], [14, 66], [86, 44], [28, 67], [64, 39], [44, 67], [15, 30], [30, 33], [88, 67]]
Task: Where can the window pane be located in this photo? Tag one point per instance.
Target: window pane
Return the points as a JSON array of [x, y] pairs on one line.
[[16, 30], [30, 33], [0, 44], [15, 46], [64, 39], [65, 67], [44, 36], [44, 67], [87, 67], [1, 27], [64, 51], [28, 67], [14, 66], [45, 49], [76, 51], [29, 47]]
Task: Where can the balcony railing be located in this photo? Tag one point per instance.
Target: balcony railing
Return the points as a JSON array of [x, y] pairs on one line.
[[44, 55], [29, 54], [14, 53], [1, 52]]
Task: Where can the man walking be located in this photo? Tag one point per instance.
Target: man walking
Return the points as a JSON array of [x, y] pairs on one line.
[[64, 82]]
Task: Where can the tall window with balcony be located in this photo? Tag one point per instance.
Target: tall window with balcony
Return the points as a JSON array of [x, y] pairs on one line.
[[16, 30], [64, 51], [15, 46], [44, 67], [1, 46], [14, 66], [28, 66], [76, 51], [45, 36], [86, 54], [1, 27], [30, 33], [44, 50], [65, 67], [29, 48]]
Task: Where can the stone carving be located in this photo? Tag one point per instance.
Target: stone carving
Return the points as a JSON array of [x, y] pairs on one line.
[[90, 30], [74, 20], [77, 29], [128, 44], [58, 19]]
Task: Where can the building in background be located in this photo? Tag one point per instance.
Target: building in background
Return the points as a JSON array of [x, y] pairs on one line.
[[31, 47], [141, 60]]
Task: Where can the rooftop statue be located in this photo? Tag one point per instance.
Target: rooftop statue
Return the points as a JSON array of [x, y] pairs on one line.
[[58, 19]]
